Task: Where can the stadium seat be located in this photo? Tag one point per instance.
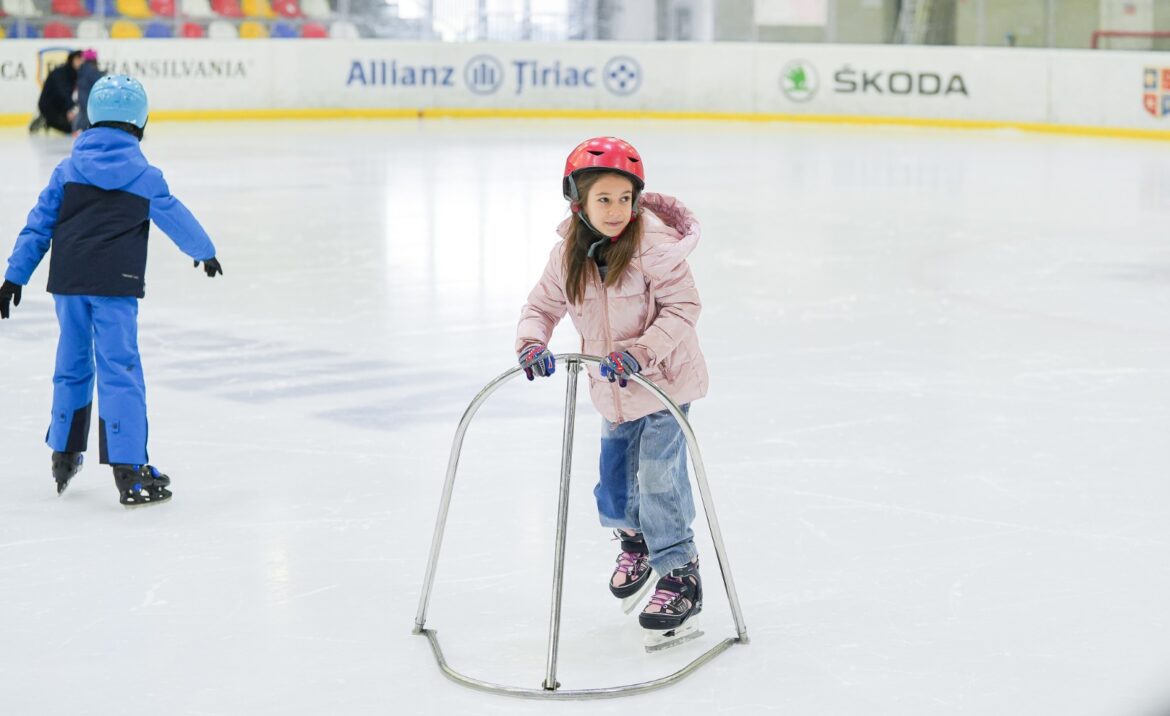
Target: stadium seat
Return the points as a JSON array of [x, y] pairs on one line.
[[134, 8], [20, 8], [108, 8], [91, 30], [125, 30], [313, 30], [284, 30], [196, 9], [287, 8], [68, 8], [192, 30], [163, 8], [26, 31], [343, 30], [57, 29], [258, 8], [227, 8], [221, 30], [253, 31], [159, 29], [3, 33], [316, 9]]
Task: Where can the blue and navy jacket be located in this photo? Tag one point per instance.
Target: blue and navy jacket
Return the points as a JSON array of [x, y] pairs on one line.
[[96, 214]]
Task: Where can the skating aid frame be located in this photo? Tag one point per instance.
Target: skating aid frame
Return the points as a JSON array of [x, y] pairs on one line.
[[550, 688]]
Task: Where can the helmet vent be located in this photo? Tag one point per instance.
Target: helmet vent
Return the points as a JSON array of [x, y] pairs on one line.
[[633, 159], [596, 153]]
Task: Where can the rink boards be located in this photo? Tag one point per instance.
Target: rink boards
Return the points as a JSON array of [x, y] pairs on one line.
[[1092, 91]]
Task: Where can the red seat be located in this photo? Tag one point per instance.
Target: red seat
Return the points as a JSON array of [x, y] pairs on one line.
[[191, 29], [287, 8], [57, 29], [164, 8], [68, 8], [227, 8], [312, 29]]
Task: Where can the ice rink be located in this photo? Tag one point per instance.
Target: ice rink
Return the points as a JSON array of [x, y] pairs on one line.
[[936, 436]]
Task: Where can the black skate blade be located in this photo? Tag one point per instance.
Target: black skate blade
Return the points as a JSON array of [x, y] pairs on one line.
[[655, 641], [146, 503]]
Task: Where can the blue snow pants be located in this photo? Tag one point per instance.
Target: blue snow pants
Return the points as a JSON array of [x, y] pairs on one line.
[[105, 328], [644, 486]]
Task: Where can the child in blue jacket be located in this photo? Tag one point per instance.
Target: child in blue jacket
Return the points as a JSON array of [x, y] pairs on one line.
[[95, 214]]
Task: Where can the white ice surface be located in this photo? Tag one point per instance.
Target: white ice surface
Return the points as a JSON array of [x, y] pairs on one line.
[[938, 432]]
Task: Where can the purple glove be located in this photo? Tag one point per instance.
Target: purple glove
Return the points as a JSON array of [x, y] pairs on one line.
[[537, 359], [619, 366]]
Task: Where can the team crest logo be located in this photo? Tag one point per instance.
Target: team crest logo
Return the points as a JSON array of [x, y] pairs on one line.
[[1156, 97], [48, 59]]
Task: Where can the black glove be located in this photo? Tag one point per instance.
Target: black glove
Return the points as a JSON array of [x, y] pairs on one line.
[[9, 292], [211, 266]]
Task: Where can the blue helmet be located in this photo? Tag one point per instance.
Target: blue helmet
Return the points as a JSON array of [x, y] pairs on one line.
[[118, 98]]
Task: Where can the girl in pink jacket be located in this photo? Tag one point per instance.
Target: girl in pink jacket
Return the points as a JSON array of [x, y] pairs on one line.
[[621, 275]]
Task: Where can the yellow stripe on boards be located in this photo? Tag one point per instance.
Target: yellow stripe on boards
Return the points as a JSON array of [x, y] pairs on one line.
[[234, 115]]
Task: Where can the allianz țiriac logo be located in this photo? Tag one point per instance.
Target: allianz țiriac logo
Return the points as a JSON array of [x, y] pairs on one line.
[[486, 74]]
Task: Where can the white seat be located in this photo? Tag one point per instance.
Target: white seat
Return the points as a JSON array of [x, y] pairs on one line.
[[316, 9], [222, 30], [21, 8], [197, 9], [343, 30], [91, 30]]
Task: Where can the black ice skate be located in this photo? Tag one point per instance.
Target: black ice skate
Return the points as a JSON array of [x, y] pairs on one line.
[[65, 466], [632, 577], [140, 485], [669, 618]]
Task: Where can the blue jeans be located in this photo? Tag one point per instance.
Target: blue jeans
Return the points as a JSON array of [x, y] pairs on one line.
[[104, 328], [644, 486]]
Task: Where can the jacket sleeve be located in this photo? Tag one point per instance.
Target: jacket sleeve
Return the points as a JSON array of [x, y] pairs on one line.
[[677, 302], [546, 305], [33, 241], [178, 223]]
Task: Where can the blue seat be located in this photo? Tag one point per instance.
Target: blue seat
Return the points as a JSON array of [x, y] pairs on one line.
[[283, 29], [158, 29], [29, 31], [109, 7]]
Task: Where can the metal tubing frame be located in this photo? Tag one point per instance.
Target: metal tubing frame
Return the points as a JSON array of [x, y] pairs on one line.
[[550, 687]]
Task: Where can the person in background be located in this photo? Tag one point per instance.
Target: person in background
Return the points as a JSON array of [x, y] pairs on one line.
[[87, 74], [95, 214], [55, 104]]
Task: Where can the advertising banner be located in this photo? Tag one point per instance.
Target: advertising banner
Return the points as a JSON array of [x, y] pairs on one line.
[[867, 82]]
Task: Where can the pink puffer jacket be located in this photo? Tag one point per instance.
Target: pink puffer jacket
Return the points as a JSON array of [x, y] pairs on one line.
[[651, 312]]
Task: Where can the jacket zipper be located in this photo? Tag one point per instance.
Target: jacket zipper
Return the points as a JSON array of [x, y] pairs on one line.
[[617, 400]]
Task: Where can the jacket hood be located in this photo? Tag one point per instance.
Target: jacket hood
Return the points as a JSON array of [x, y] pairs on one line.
[[665, 219], [108, 158]]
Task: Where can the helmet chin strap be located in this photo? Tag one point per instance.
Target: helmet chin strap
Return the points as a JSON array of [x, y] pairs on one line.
[[601, 238]]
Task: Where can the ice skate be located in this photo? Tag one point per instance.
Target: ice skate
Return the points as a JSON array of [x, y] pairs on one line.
[[140, 485], [632, 577], [65, 466], [669, 617]]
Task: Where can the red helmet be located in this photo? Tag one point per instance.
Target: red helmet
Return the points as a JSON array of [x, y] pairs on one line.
[[604, 153]]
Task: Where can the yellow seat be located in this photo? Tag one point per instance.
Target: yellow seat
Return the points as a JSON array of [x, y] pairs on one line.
[[125, 30], [134, 8], [253, 31], [258, 8], [2, 33]]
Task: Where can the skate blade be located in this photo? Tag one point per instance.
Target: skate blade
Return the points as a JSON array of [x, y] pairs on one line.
[[136, 505], [632, 601], [660, 640]]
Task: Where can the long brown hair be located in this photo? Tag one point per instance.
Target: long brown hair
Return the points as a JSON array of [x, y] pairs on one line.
[[579, 238]]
